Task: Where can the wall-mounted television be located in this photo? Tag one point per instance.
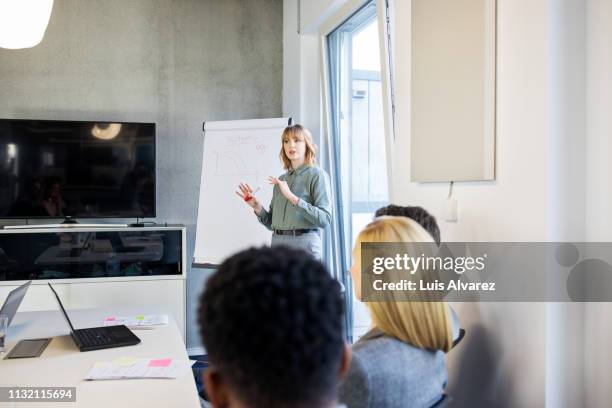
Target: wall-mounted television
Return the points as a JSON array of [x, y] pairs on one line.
[[77, 169]]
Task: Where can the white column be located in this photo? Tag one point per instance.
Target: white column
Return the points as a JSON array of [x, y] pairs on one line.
[[598, 327], [566, 198]]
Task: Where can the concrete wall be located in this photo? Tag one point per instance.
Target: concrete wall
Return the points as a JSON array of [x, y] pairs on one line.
[[176, 63]]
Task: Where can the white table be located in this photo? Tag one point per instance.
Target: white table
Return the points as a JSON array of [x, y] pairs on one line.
[[62, 365]]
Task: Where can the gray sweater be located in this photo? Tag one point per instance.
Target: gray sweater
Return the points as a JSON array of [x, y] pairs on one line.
[[388, 373]]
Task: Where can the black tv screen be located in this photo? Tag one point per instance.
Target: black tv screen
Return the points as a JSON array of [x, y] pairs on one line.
[[57, 169]]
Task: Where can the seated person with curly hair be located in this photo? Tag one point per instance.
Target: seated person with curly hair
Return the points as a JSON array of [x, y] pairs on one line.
[[272, 323], [419, 214]]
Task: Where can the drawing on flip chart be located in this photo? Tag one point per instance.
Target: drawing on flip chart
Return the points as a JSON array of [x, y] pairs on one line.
[[234, 152], [241, 140], [231, 163]]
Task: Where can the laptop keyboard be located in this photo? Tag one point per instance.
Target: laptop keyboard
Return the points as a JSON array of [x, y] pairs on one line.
[[93, 337]]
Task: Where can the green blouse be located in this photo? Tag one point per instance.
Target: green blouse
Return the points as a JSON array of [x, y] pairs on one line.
[[313, 210]]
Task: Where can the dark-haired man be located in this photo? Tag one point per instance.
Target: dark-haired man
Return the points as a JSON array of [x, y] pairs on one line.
[[419, 214], [272, 323]]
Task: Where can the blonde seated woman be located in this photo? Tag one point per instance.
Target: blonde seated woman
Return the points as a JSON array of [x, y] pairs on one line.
[[400, 361]]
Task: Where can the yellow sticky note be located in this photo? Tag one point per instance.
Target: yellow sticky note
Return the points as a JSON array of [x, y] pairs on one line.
[[125, 361], [140, 317]]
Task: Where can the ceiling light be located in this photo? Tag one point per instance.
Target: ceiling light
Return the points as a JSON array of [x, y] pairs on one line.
[[23, 22]]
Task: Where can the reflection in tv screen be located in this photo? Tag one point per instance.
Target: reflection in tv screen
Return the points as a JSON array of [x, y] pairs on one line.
[[57, 169]]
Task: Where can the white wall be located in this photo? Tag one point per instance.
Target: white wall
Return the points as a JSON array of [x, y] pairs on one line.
[[301, 66], [566, 177], [511, 208], [314, 12], [598, 325], [538, 194], [485, 208], [551, 184]]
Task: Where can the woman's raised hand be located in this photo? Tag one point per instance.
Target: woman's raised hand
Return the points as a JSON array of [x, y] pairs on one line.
[[284, 189], [247, 195]]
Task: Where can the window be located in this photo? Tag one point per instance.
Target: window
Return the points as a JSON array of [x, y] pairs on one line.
[[357, 127]]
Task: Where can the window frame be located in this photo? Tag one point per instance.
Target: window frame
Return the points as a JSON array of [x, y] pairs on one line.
[[338, 231], [384, 12]]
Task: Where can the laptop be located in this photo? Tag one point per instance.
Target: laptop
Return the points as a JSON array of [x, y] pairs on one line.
[[13, 300], [96, 338]]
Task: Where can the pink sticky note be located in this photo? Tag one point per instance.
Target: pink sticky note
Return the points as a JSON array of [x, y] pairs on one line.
[[160, 363], [109, 319]]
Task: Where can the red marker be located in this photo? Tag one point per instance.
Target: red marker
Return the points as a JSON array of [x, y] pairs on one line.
[[248, 197]]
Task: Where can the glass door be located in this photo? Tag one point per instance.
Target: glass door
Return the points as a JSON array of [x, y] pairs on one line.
[[358, 134]]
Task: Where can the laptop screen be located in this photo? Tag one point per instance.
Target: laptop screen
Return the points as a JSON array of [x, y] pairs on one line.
[[13, 300], [62, 307]]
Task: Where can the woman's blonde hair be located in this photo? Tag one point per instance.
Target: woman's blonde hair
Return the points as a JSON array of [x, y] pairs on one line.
[[424, 324], [303, 134]]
